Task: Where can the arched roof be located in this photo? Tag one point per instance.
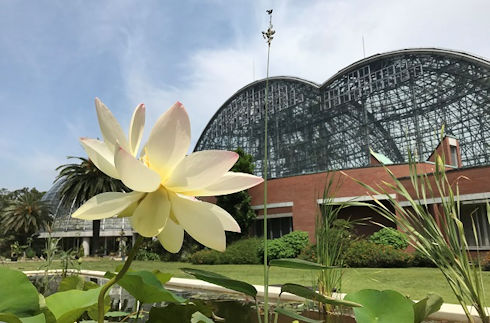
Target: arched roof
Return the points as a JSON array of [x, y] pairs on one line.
[[474, 59], [387, 102]]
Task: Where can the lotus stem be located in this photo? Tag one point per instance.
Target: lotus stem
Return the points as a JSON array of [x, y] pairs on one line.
[[115, 279]]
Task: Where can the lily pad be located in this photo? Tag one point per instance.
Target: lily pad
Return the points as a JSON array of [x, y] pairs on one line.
[[386, 306], [18, 296], [68, 306], [146, 287], [425, 307]]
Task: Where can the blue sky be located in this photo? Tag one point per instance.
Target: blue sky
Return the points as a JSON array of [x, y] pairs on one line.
[[57, 56]]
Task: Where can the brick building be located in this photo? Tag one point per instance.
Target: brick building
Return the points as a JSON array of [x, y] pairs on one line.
[[368, 114]]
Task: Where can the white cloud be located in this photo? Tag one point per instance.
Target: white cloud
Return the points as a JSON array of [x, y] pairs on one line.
[[313, 40]]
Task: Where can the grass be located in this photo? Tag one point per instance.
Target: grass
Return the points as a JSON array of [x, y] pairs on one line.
[[413, 282]]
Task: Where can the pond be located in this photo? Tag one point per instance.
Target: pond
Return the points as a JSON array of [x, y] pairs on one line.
[[224, 307]]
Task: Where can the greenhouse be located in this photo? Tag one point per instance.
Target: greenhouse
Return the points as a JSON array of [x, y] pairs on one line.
[[386, 102]]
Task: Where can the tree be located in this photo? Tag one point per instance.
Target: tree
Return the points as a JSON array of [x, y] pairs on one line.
[[80, 182], [238, 204], [25, 214]]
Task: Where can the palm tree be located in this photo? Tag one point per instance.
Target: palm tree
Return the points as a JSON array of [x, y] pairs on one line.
[[25, 214], [80, 182]]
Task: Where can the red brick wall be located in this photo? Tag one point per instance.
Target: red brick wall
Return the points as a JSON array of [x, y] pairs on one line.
[[305, 190]]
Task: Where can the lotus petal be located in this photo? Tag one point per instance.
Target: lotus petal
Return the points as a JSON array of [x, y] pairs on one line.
[[169, 140], [136, 128], [199, 169], [152, 213], [134, 174], [110, 128], [172, 236], [228, 222], [106, 205], [100, 155], [200, 220], [231, 182]]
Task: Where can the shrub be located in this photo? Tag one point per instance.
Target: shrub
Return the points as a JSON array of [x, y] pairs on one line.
[[421, 260], [30, 253], [240, 252], [309, 253], [390, 237], [146, 255], [206, 257], [364, 253], [287, 246]]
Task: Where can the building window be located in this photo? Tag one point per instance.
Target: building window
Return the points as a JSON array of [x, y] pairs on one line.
[[276, 227], [454, 156], [476, 215]]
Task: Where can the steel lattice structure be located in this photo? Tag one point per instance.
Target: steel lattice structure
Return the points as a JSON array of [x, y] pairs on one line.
[[387, 102], [66, 226]]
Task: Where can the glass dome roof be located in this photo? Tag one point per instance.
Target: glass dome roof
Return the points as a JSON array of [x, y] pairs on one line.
[[66, 226]]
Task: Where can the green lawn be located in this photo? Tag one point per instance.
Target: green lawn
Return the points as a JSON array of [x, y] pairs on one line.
[[414, 282]]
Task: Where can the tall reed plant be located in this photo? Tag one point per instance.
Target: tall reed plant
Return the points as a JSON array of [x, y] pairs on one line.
[[333, 237], [268, 36], [436, 231]]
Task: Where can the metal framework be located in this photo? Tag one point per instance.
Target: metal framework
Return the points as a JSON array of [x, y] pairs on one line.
[[387, 102], [66, 226]]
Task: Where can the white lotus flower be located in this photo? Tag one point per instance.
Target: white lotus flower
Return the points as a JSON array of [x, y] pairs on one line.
[[164, 180]]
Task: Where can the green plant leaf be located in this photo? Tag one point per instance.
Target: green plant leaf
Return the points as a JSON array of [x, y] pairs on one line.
[[93, 311], [146, 287], [173, 313], [71, 282], [9, 318], [17, 296], [306, 292], [297, 264], [76, 282], [223, 281], [386, 306], [425, 307], [294, 315], [162, 277], [40, 318], [48, 315], [198, 317], [68, 306]]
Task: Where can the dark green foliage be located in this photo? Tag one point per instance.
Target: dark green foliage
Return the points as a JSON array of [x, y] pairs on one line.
[[154, 247], [206, 257], [390, 237], [238, 204], [243, 251], [83, 181], [24, 214], [363, 253], [309, 253], [421, 260], [287, 246], [146, 255]]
